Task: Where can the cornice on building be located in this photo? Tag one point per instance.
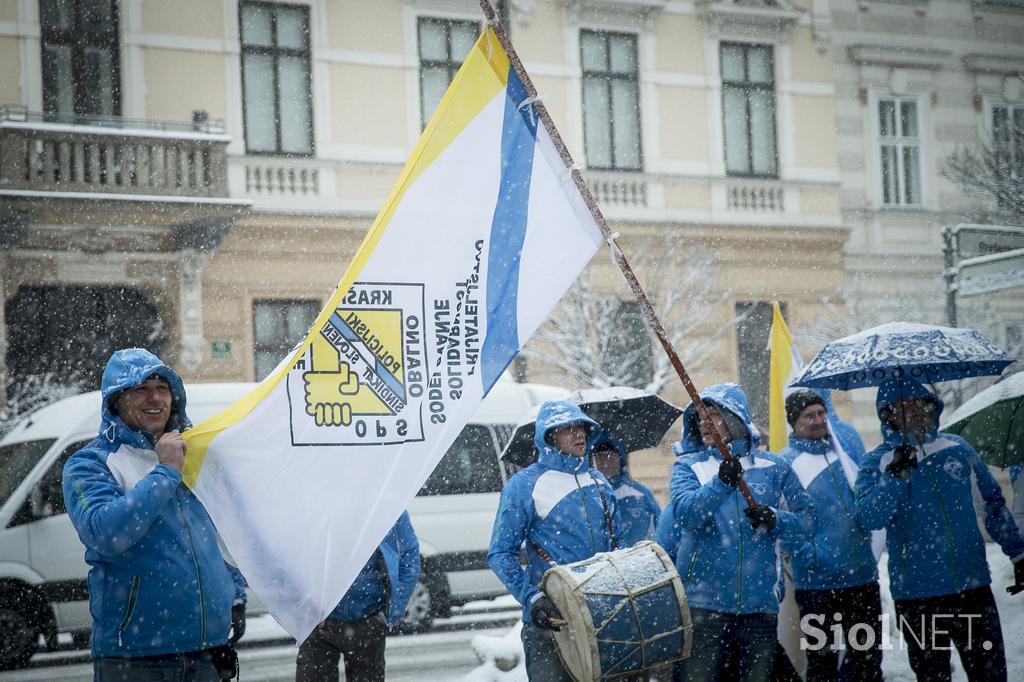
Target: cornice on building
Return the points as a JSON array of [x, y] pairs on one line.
[[899, 56], [1003, 65], [767, 17]]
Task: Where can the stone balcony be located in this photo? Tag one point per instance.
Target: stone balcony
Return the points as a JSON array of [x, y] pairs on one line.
[[111, 157]]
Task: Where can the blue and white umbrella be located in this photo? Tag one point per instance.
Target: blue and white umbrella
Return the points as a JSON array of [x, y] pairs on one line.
[[924, 352]]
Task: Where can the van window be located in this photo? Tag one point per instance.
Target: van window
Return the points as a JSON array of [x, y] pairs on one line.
[[16, 460], [47, 496], [469, 466]]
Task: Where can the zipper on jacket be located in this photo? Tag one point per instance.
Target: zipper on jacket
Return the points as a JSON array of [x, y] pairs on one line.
[[693, 567], [199, 574], [739, 533], [903, 551], [835, 484], [129, 611], [949, 531], [586, 514]]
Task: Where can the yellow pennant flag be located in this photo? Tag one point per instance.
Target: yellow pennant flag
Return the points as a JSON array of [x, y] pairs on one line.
[[784, 365]]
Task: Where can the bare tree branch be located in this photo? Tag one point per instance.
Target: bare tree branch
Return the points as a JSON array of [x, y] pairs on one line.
[[594, 343]]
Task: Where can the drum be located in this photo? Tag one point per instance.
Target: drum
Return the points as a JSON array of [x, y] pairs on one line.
[[625, 612]]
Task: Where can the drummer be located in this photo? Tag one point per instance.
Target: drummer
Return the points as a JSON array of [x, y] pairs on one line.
[[728, 562], [638, 510], [564, 511]]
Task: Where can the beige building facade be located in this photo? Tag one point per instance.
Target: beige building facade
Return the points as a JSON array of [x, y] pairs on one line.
[[216, 238], [915, 82]]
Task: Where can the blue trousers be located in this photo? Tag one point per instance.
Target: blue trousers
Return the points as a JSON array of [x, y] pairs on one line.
[[728, 646]]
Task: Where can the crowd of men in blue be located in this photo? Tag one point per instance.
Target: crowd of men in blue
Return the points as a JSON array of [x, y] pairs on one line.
[[152, 548]]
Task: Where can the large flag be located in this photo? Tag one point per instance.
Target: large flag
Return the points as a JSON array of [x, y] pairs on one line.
[[481, 235]]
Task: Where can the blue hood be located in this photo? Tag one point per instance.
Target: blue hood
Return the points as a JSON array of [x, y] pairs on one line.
[[555, 413], [604, 436], [129, 368], [893, 390], [729, 397]]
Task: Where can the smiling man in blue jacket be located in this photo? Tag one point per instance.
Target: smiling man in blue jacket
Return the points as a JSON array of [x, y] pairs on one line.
[[358, 626], [726, 551], [160, 594], [835, 572], [564, 511], [918, 486]]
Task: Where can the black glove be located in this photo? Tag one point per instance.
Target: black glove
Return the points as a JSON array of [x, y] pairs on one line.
[[730, 471], [545, 615], [1018, 578], [904, 459], [237, 623], [761, 516]]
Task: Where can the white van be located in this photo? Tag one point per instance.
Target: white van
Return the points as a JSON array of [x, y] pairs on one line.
[[43, 572]]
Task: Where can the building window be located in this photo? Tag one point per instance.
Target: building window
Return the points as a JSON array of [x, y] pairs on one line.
[[627, 356], [276, 100], [443, 44], [611, 100], [80, 57], [748, 110], [1008, 138], [277, 327], [752, 333], [900, 148]]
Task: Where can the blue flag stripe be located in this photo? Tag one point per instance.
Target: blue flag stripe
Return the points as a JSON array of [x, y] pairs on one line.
[[508, 231]]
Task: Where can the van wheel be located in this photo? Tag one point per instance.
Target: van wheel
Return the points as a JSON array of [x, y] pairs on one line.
[[429, 600], [18, 638], [419, 614]]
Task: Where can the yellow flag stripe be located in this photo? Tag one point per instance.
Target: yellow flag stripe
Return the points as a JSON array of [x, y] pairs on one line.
[[483, 74], [780, 368]]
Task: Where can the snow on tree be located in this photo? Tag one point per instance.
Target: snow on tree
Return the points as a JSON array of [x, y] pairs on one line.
[[599, 339], [993, 171]]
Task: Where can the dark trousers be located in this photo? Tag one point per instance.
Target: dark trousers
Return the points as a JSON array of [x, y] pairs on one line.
[[195, 666], [361, 642], [542, 661], [968, 620], [859, 606], [728, 646]]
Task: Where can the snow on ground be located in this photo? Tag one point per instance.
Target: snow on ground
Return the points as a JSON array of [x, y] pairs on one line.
[[502, 656]]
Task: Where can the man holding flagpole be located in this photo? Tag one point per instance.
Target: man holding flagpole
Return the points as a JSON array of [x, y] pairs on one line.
[[728, 563], [835, 571]]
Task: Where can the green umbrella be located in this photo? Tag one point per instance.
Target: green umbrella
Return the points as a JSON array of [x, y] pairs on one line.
[[993, 422]]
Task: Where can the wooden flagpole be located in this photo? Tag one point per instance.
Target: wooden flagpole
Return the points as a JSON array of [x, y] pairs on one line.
[[620, 257]]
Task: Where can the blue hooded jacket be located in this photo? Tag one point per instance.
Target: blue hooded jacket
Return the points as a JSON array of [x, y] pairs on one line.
[[557, 504], [839, 554], [388, 578], [638, 510], [935, 546], [726, 565], [158, 583]]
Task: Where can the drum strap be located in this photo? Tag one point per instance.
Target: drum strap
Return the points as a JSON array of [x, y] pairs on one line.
[[607, 517], [542, 553]]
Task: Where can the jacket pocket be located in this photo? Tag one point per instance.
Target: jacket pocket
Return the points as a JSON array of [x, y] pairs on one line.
[[129, 609]]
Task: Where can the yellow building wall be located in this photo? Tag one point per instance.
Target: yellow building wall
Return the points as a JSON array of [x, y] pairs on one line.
[[181, 82], [191, 18], [10, 72]]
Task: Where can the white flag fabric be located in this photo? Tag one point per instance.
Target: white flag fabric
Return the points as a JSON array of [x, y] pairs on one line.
[[480, 237]]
